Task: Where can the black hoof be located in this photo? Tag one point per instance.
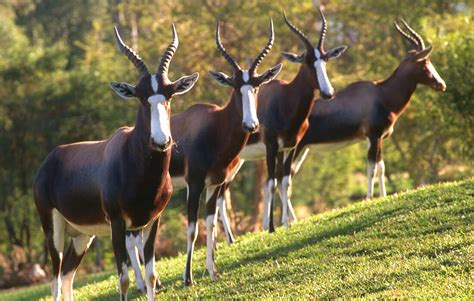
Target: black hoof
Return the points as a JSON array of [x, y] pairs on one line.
[[189, 283]]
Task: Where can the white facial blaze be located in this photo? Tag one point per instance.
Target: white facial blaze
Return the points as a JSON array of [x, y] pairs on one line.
[[323, 79], [160, 124], [435, 74], [249, 106]]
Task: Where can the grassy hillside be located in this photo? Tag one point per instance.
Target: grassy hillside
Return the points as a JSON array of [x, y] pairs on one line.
[[418, 244]]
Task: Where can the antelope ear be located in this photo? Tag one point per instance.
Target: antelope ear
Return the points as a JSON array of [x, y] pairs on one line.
[[293, 57], [270, 74], [335, 52], [423, 54], [222, 78], [123, 90], [185, 83]]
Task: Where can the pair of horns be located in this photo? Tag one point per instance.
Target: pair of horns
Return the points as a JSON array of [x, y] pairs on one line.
[[304, 38], [412, 36], [137, 60], [257, 61]]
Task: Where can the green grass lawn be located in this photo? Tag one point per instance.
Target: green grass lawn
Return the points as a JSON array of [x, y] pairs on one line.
[[418, 244]]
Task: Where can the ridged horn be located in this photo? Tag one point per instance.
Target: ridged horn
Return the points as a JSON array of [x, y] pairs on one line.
[[265, 50], [131, 55], [324, 28], [299, 33], [222, 50], [168, 54], [406, 35], [421, 43]]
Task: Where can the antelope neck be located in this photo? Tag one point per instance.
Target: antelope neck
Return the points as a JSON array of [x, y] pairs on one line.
[[398, 89], [302, 93]]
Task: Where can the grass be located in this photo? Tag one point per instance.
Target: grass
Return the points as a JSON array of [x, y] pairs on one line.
[[418, 244]]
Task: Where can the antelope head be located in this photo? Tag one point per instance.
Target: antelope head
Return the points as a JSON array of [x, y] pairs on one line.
[[155, 91], [418, 61], [315, 58], [247, 82]]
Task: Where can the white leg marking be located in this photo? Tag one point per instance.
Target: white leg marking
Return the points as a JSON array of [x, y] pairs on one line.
[[370, 178], [150, 278], [56, 288], [299, 161], [222, 206], [192, 235], [124, 281], [380, 175], [132, 250], [210, 266], [67, 288], [284, 201], [80, 244], [288, 214], [267, 197]]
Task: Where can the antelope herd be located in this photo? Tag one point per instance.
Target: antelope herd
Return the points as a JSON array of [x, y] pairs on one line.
[[120, 186]]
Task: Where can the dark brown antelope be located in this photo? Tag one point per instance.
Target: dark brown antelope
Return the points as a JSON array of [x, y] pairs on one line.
[[367, 110], [208, 141], [283, 112], [100, 187]]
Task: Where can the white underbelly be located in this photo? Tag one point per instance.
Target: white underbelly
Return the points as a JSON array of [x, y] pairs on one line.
[[178, 183], [327, 147], [97, 230], [253, 152]]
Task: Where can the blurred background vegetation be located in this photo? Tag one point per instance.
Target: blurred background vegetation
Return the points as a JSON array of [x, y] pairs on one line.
[[57, 57]]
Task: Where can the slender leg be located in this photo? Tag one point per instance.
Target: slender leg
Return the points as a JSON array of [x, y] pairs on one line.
[[380, 175], [222, 202], [288, 214], [212, 193], [76, 251], [149, 234], [268, 192], [120, 252], [194, 191], [54, 228], [299, 159], [133, 249], [373, 156], [271, 184]]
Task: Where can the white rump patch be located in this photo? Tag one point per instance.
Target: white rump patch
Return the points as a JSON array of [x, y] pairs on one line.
[[59, 228], [323, 79]]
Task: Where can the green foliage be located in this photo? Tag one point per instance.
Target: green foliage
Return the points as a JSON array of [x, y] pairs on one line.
[[57, 58], [413, 245]]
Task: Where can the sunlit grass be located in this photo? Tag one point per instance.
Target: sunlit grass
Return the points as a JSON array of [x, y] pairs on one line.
[[418, 244]]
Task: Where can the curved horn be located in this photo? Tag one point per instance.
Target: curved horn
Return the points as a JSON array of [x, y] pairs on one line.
[[421, 43], [131, 55], [168, 54], [222, 50], [299, 33], [265, 50], [324, 28], [406, 35]]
